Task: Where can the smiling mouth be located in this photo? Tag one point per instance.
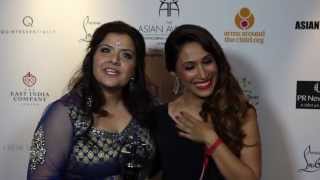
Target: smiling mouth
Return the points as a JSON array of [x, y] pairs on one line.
[[203, 85], [111, 71]]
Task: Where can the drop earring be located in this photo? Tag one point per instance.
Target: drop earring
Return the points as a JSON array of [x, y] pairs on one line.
[[89, 101], [131, 83], [177, 85]]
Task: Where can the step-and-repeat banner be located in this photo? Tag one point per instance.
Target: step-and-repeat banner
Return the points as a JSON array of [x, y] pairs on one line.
[[273, 47]]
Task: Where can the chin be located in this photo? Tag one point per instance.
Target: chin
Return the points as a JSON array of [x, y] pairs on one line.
[[203, 94], [111, 85]]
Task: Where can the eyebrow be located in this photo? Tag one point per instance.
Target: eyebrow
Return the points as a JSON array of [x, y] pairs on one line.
[[124, 49], [204, 57]]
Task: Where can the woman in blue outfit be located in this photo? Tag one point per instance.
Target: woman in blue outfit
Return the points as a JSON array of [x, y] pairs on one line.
[[210, 131], [90, 132]]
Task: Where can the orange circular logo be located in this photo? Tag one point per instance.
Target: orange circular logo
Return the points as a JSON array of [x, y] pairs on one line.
[[244, 19]]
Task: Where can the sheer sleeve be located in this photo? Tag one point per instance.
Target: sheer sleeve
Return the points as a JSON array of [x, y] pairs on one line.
[[51, 144]]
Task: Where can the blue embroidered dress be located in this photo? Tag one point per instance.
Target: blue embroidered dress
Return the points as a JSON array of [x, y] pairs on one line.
[[66, 146]]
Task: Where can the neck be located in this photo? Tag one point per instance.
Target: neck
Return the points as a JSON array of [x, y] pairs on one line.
[[191, 101], [113, 98]]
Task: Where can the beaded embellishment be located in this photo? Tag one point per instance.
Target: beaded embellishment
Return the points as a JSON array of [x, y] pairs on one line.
[[38, 149]]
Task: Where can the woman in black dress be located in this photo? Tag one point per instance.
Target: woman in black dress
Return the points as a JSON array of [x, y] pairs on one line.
[[210, 131]]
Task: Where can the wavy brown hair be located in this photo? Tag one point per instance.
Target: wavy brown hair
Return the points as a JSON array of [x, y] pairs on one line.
[[227, 105]]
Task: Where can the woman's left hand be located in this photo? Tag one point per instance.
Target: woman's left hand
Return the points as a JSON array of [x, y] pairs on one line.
[[195, 129]]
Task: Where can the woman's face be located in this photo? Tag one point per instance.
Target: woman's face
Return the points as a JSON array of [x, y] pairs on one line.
[[197, 70], [114, 61]]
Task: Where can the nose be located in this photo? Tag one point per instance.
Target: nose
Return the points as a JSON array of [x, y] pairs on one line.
[[115, 58], [201, 72]]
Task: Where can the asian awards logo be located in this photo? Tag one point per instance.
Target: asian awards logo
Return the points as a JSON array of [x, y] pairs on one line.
[[244, 20], [31, 94], [168, 7]]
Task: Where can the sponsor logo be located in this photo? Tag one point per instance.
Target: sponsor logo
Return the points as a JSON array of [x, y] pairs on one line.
[[307, 25], [308, 95], [27, 27], [29, 79], [88, 27], [15, 147], [31, 95], [156, 35], [27, 21], [168, 7], [316, 87], [312, 160], [244, 20], [156, 32]]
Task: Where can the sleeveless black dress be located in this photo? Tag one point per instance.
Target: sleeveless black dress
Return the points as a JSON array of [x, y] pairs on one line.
[[179, 158]]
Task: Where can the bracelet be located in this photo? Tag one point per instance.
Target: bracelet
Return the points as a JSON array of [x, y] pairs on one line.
[[209, 150]]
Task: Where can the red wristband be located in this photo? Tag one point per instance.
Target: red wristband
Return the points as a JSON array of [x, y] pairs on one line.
[[213, 147], [208, 152]]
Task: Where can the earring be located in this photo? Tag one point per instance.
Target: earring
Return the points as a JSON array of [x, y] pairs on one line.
[[89, 101], [177, 86], [131, 83]]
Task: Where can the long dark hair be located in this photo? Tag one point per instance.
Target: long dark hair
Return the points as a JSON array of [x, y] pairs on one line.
[[136, 98], [227, 105]]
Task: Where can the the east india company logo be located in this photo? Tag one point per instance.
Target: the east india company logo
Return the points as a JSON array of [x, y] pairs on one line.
[[312, 160], [28, 25], [308, 95], [169, 8], [307, 25], [31, 94], [244, 20], [88, 27], [249, 91]]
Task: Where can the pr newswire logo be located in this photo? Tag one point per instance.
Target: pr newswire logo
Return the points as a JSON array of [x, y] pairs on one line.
[[244, 20], [308, 95], [307, 25], [28, 25], [30, 95], [169, 7], [312, 160]]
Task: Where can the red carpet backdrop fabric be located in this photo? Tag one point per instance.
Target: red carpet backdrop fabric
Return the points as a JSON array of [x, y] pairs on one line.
[[273, 47]]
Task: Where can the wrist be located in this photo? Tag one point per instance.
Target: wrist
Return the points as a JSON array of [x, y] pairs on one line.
[[214, 145], [210, 138]]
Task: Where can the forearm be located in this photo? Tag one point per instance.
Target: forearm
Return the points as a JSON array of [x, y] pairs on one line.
[[231, 167]]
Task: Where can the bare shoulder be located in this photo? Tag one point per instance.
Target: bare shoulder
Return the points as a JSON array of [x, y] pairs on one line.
[[251, 127], [250, 115]]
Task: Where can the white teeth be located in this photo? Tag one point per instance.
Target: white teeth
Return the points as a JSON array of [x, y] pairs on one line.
[[110, 71], [203, 84]]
